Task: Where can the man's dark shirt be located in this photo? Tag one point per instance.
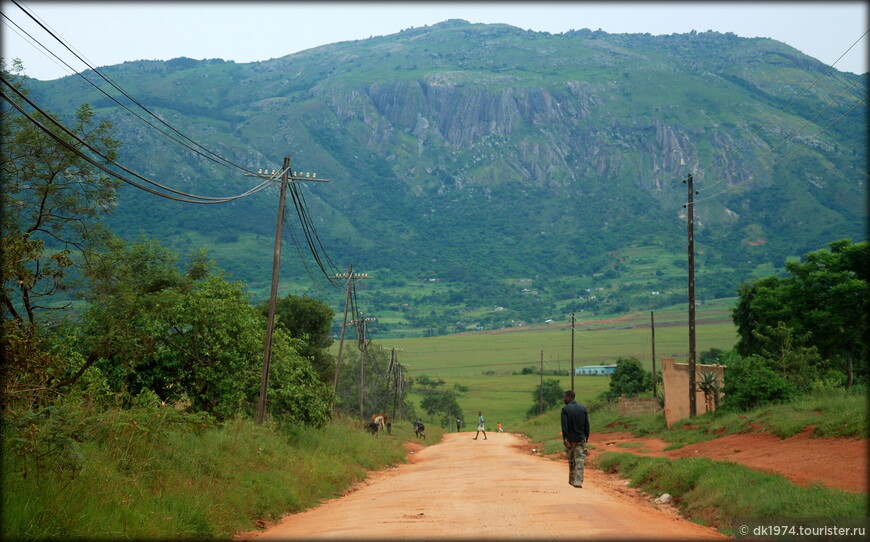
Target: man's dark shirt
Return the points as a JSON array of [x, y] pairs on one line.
[[575, 422]]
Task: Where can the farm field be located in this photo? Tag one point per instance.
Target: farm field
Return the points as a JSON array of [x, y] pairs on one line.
[[490, 363]]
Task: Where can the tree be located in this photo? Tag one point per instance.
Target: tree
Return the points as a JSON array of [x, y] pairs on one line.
[[824, 301], [383, 388], [443, 401], [191, 338], [51, 200], [799, 365], [546, 396], [711, 356], [629, 379], [750, 382], [310, 320]]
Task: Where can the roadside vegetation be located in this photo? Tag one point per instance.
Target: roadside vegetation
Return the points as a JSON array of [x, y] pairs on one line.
[[152, 472], [713, 493]]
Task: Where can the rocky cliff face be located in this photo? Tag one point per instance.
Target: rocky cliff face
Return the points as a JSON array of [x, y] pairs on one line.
[[435, 132]]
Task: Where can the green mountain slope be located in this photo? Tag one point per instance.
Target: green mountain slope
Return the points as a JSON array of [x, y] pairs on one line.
[[498, 160]]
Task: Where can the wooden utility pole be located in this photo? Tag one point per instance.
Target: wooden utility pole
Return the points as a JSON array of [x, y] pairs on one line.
[[362, 365], [362, 361], [572, 353], [690, 206], [286, 177], [394, 371], [350, 276], [541, 394], [652, 325]]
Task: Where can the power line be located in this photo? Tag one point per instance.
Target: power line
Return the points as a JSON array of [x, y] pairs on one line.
[[793, 100], [804, 144], [217, 158], [72, 148]]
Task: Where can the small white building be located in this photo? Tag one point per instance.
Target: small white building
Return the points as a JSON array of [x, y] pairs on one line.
[[595, 370]]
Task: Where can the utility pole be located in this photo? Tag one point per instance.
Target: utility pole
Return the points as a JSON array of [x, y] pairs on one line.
[[362, 361], [350, 276], [652, 325], [362, 364], [286, 177], [572, 353], [541, 394], [693, 409], [394, 371]]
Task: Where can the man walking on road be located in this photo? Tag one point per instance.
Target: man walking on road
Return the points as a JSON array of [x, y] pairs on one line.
[[575, 433]]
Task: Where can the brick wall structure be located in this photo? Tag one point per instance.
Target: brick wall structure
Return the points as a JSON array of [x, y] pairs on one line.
[[675, 377], [638, 406]]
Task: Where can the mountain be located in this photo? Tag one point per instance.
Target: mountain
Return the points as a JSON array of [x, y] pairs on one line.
[[486, 174]]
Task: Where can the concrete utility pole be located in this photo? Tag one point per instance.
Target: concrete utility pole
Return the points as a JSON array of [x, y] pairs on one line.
[[690, 206], [286, 177], [350, 276]]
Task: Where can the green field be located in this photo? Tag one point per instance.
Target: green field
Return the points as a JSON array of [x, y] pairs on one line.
[[489, 363]]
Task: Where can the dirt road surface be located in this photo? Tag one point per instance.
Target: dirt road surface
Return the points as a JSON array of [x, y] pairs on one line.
[[490, 489]]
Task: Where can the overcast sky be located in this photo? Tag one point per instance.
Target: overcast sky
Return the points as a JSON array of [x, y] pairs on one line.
[[107, 33]]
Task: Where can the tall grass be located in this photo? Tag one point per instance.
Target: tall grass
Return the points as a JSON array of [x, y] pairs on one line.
[[153, 473]]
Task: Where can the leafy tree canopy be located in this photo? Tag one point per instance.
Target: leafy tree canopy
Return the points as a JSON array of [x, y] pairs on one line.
[[629, 379], [823, 302], [51, 199], [311, 320], [546, 396]]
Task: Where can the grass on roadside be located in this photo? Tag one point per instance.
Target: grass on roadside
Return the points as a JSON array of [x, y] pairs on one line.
[[831, 414], [152, 473], [713, 493]]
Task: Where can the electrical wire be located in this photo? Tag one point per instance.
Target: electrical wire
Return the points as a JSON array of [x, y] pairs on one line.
[[793, 100], [289, 227], [804, 144], [796, 133], [72, 148], [69, 132], [114, 99], [311, 236], [214, 156]]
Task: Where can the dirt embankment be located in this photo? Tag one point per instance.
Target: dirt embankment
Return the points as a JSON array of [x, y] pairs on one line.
[[839, 463]]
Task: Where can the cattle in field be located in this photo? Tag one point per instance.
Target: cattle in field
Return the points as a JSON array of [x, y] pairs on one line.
[[419, 430], [380, 420], [372, 428]]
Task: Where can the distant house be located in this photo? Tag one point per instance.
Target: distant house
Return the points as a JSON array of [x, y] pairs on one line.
[[595, 370]]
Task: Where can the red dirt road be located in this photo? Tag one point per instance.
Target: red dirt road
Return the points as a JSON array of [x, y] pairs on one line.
[[486, 489]]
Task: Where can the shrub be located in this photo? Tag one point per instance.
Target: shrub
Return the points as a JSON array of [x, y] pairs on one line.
[[749, 383]]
